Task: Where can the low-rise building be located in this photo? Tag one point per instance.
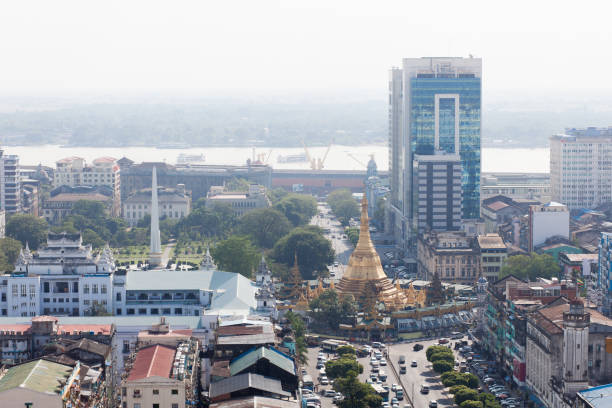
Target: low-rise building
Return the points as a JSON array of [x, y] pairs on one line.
[[162, 376], [518, 186], [452, 255], [241, 202], [501, 209], [493, 254], [62, 199], [173, 203]]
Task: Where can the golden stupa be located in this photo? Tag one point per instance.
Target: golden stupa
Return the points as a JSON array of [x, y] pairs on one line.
[[364, 266]]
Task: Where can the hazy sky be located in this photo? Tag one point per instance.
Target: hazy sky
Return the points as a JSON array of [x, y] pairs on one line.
[[254, 45]]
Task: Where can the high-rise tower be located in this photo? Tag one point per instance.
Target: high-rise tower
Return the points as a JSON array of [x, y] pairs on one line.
[[434, 106], [155, 256]]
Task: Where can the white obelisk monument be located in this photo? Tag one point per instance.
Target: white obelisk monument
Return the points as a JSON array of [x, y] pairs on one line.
[[155, 256]]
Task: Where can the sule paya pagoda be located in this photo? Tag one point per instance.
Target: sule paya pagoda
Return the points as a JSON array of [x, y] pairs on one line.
[[364, 269]]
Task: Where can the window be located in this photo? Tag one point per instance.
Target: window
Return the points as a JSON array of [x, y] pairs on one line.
[[94, 288], [175, 391], [103, 289], [130, 311], [86, 289], [46, 287], [23, 290], [142, 311], [75, 287], [126, 348], [155, 392], [155, 405], [86, 302], [118, 296], [136, 404], [32, 289], [118, 312], [175, 405]]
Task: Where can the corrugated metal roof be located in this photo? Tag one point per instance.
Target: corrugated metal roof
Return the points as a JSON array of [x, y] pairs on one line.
[[153, 361], [255, 402], [254, 339], [39, 375], [246, 380], [249, 358]]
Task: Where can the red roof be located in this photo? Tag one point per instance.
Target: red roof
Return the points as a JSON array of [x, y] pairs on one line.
[[153, 361], [15, 328], [105, 159], [497, 205], [81, 328]]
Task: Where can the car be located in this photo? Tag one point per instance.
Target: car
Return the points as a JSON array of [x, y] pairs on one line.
[[413, 364], [386, 405], [394, 400], [320, 365], [407, 406], [443, 341], [304, 372], [338, 398], [402, 359], [402, 370], [424, 389], [433, 404], [324, 381], [399, 394], [393, 387], [369, 381], [335, 263], [383, 362], [395, 405]]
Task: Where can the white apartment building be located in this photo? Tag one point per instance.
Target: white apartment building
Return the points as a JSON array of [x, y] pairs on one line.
[[547, 221], [104, 171], [581, 167]]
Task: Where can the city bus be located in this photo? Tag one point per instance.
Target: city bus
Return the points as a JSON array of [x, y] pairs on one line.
[[307, 382], [381, 391], [332, 345]]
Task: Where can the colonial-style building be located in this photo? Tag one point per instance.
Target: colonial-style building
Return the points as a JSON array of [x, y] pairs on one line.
[[240, 202], [454, 256]]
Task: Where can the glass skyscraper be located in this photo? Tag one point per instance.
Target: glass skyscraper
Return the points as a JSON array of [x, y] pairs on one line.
[[439, 107]]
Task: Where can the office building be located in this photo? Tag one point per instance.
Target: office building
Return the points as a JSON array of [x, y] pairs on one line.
[[581, 167], [10, 183], [62, 199], [437, 201], [547, 221], [433, 103], [104, 171], [453, 255]]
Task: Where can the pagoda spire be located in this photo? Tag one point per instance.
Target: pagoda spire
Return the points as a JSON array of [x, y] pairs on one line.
[[155, 254]]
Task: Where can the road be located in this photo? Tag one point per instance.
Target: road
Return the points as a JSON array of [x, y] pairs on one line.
[[420, 375], [342, 247]]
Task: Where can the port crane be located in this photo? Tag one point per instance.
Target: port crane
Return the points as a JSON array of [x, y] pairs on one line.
[[316, 163], [359, 161]]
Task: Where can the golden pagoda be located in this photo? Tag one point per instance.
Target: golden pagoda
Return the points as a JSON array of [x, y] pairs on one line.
[[364, 266]]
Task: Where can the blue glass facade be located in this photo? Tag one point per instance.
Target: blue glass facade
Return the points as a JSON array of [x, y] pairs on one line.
[[423, 91]]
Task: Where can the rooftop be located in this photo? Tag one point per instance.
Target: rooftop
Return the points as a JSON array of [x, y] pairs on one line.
[[79, 196], [597, 397], [244, 381], [255, 402], [497, 205], [153, 361], [491, 241], [38, 375], [250, 357]]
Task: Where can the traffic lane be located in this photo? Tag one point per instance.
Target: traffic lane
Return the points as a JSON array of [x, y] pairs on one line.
[[423, 374], [311, 369]]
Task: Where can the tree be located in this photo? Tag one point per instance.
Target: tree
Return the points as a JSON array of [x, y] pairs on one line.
[[299, 330], [91, 237], [342, 366], [465, 394], [89, 209], [442, 366], [265, 225], [443, 357], [343, 351], [453, 378], [298, 208], [236, 254], [352, 234], [314, 251], [330, 309], [277, 194], [530, 267], [27, 228], [435, 291], [9, 251], [431, 350], [471, 404], [337, 196], [345, 210], [97, 309], [356, 394]]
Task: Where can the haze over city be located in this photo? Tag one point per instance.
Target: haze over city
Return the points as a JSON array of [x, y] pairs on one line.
[[305, 204]]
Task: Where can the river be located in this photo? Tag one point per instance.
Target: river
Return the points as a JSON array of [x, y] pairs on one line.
[[339, 158]]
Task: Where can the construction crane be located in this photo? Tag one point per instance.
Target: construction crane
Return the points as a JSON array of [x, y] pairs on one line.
[[316, 163], [356, 159]]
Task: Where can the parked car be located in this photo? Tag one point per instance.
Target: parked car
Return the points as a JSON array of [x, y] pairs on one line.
[[329, 393], [417, 347], [433, 404], [424, 389], [413, 364], [443, 341]]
